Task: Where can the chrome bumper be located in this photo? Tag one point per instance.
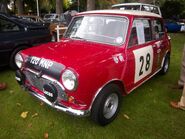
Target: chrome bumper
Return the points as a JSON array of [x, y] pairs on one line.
[[81, 113]]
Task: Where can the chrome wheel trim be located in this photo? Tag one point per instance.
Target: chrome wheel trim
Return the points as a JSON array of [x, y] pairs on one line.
[[110, 106]]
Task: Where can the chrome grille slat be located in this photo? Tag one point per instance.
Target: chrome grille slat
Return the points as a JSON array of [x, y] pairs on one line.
[[39, 82]]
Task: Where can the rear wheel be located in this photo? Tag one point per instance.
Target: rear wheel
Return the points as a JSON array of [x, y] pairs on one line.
[[166, 64], [106, 105]]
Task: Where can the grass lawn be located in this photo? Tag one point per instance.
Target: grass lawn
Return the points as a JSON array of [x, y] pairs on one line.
[[144, 114]]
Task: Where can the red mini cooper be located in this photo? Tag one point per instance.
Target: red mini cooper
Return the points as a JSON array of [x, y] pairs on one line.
[[102, 56]]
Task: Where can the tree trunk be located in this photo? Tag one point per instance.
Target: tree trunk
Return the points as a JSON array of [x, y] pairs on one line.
[[3, 7], [59, 6], [20, 7], [90, 5]]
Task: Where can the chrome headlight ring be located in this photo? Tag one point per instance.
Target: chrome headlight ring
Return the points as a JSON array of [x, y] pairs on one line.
[[19, 60], [69, 80]]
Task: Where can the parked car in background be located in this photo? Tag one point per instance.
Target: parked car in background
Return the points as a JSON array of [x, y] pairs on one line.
[[102, 56], [17, 34], [173, 26], [61, 22], [52, 17], [32, 18], [61, 26], [68, 15], [55, 20], [138, 6]]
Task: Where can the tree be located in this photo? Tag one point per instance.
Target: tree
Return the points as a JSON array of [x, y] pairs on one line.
[[59, 6], [173, 9], [105, 4], [3, 6], [90, 5], [20, 7]]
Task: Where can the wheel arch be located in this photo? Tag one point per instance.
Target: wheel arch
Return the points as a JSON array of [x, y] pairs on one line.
[[117, 82], [19, 46], [14, 51], [167, 53]]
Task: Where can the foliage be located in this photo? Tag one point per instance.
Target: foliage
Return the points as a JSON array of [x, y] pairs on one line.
[[47, 5], [66, 4], [105, 4], [173, 9], [82, 5]]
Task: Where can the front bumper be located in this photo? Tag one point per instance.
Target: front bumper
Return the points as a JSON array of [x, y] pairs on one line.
[[20, 77], [81, 113]]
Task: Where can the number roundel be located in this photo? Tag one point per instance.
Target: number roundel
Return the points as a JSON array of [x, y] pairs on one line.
[[143, 62], [147, 62]]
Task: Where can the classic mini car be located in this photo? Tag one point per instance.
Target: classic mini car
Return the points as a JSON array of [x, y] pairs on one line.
[[103, 55], [17, 34]]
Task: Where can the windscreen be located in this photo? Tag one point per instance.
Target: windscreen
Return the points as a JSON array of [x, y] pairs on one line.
[[103, 29]]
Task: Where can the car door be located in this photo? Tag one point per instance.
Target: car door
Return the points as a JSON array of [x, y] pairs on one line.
[[8, 34], [159, 42], [140, 53]]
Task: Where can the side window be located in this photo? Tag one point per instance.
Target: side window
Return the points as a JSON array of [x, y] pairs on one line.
[[145, 8], [158, 30], [7, 26], [140, 33], [154, 10]]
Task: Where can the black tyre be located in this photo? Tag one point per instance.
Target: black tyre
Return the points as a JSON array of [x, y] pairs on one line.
[[166, 64], [106, 105], [12, 57]]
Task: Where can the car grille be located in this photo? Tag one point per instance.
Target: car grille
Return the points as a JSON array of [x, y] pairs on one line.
[[39, 82]]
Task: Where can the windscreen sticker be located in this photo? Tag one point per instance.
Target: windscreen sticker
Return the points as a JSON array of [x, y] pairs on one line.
[[143, 62], [140, 32]]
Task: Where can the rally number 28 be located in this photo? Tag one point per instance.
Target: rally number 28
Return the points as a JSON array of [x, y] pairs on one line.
[[145, 67]]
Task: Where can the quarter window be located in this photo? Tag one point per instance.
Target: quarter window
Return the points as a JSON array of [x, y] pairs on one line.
[[158, 30], [7, 26]]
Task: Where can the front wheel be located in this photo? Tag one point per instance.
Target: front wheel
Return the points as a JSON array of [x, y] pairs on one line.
[[106, 105]]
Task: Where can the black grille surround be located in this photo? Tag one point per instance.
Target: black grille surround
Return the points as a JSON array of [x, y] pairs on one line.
[[38, 81]]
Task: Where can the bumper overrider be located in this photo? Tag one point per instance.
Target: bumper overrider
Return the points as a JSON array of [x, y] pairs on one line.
[[51, 95]]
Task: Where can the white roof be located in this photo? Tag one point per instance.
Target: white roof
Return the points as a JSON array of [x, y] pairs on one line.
[[121, 4], [127, 12]]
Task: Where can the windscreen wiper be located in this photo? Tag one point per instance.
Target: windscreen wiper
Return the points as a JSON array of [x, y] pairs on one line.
[[78, 38]]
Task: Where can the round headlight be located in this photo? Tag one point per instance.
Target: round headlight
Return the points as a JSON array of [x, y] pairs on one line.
[[18, 60], [69, 80]]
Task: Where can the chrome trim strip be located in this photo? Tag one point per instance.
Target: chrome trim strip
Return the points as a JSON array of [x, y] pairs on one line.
[[69, 110], [144, 81]]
